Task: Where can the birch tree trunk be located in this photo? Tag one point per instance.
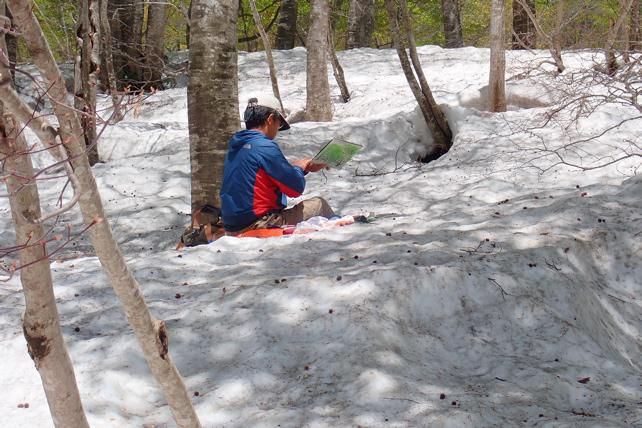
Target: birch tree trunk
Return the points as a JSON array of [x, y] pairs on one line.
[[360, 23], [286, 27], [86, 76], [318, 104], [151, 333], [268, 52], [524, 34], [212, 95], [403, 37], [41, 323], [155, 45], [452, 24], [497, 77]]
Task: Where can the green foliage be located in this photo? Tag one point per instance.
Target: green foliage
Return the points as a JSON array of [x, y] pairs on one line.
[[58, 21], [176, 30]]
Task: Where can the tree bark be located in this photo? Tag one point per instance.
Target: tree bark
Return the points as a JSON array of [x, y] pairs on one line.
[[155, 45], [611, 38], [337, 70], [554, 41], [151, 333], [524, 34], [360, 23], [11, 42], [286, 27], [318, 103], [635, 37], [497, 76], [403, 37], [212, 95], [108, 74], [268, 52], [86, 76], [126, 21], [452, 24], [41, 323]]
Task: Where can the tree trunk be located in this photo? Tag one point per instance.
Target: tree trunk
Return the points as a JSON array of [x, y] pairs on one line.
[[11, 42], [635, 34], [155, 45], [337, 70], [86, 76], [403, 37], [611, 38], [151, 333], [212, 95], [497, 76], [286, 28], [318, 104], [554, 41], [127, 30], [41, 323], [452, 24], [360, 23], [108, 75], [524, 34], [268, 52]]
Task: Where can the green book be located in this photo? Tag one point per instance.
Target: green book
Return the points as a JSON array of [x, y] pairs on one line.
[[336, 152]]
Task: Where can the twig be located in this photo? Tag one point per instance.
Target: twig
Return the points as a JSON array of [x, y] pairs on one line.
[[504, 293]]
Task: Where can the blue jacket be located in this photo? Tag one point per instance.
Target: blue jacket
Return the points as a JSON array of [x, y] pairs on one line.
[[256, 180]]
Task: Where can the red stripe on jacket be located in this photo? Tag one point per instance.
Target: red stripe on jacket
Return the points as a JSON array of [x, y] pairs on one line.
[[266, 198]]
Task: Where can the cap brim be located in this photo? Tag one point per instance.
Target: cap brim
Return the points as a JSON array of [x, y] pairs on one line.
[[284, 123]]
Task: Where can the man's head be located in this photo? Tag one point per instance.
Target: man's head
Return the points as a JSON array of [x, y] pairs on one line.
[[264, 114]]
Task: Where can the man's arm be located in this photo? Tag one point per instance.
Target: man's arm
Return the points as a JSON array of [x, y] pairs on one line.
[[288, 177]]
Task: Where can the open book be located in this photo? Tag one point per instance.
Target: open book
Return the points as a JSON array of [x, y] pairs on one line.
[[336, 152]]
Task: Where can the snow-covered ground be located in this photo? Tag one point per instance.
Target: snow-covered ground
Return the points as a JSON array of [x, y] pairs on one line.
[[490, 294]]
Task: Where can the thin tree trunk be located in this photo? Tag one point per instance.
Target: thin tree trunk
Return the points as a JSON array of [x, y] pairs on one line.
[[151, 333], [155, 44], [41, 323], [108, 73], [318, 103], [625, 36], [402, 36], [452, 24], [555, 41], [268, 52], [360, 23], [87, 68], [635, 33], [286, 28], [611, 38], [337, 70], [524, 33], [11, 42], [212, 95], [497, 75]]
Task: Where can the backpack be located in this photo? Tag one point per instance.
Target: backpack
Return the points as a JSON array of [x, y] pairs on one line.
[[206, 226]]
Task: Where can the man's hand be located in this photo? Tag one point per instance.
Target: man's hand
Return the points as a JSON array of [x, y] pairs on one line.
[[308, 166]]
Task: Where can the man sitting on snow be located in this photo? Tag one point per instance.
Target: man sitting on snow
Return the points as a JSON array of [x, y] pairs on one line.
[[257, 177]]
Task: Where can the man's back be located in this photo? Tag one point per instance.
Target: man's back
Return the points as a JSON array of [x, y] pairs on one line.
[[256, 179]]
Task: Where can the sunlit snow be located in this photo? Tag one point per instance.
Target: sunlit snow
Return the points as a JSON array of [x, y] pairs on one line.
[[493, 284]]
